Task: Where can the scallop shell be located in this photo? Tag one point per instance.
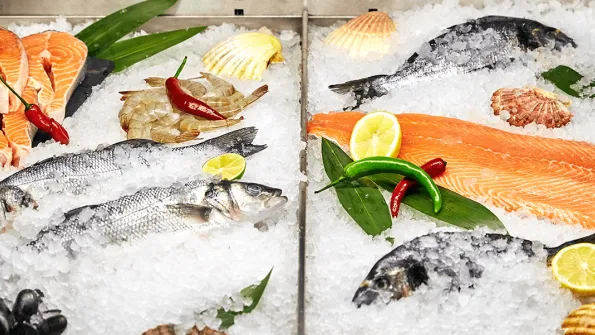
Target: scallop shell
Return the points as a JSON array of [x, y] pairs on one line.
[[527, 105], [365, 34], [244, 56], [171, 330], [580, 321]]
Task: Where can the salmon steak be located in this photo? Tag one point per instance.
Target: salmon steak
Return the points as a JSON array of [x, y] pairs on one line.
[[14, 70], [550, 178], [57, 62]]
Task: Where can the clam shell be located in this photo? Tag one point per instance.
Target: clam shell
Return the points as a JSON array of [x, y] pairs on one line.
[[363, 35], [244, 56], [527, 105], [581, 321]]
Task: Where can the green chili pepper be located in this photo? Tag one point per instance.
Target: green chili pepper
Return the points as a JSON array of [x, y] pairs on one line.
[[375, 165]]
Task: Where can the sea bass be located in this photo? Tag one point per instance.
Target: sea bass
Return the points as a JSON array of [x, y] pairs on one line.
[[486, 42], [75, 172], [403, 270], [166, 209]]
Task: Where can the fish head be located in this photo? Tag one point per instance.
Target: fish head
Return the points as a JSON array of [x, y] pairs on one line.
[[391, 279], [13, 198], [241, 201], [538, 35]]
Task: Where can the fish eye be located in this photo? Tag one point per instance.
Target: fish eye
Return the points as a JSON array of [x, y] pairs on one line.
[[253, 190], [382, 283]]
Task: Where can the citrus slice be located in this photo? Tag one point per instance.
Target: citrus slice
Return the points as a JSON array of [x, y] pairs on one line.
[[376, 134], [574, 267], [228, 166]]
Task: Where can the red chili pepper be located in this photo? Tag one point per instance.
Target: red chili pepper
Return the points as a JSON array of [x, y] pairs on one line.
[[187, 103], [42, 121], [434, 168]]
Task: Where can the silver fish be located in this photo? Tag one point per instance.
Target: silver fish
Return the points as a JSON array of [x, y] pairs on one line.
[[403, 270], [486, 42], [165, 209], [75, 172]]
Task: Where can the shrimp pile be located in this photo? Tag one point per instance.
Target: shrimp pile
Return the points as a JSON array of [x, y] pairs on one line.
[[148, 114]]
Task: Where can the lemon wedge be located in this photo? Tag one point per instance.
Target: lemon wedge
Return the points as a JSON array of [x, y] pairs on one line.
[[376, 134], [574, 268], [228, 166]]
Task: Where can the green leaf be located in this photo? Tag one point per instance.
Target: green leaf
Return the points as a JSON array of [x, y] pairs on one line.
[[564, 77], [128, 52], [456, 209], [253, 292], [113, 27], [390, 240], [361, 199]]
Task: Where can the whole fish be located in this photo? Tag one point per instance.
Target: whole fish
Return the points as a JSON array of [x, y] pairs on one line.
[[486, 42], [165, 209], [403, 270], [75, 172]]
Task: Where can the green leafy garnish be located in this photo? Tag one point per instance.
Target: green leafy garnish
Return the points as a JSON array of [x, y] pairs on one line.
[[390, 240], [252, 292], [371, 212], [564, 77], [361, 199], [113, 27], [128, 52]]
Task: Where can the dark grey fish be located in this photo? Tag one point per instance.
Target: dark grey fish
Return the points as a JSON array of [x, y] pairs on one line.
[[165, 209], [75, 172], [487, 42], [403, 270]]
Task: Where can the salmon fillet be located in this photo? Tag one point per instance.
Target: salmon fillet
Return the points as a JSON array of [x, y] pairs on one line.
[[57, 65], [551, 178], [13, 68], [18, 130]]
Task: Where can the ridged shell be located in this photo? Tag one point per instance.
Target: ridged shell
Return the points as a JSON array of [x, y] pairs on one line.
[[171, 330], [527, 105], [244, 56], [581, 321], [365, 34]]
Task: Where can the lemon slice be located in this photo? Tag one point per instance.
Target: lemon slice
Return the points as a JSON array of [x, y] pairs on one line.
[[376, 134], [228, 166], [574, 267]]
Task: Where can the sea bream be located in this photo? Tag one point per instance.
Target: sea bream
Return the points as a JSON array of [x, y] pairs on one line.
[[165, 209], [487, 42], [73, 173], [455, 256]]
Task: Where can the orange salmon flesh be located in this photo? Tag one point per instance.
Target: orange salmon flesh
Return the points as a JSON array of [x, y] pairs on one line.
[[551, 178]]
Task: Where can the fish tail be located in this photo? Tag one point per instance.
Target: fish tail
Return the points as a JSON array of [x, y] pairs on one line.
[[362, 88], [553, 251], [238, 142]]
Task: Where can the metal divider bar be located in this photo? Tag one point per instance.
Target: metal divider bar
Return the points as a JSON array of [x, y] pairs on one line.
[[301, 308]]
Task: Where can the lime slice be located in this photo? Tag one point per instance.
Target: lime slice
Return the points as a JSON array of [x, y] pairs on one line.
[[376, 134], [228, 166], [574, 268]]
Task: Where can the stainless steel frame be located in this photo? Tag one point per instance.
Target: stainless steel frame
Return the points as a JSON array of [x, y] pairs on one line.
[[275, 14]]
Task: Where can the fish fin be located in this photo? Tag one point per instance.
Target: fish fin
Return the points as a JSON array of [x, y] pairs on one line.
[[237, 142], [197, 213], [187, 136], [553, 251], [362, 88]]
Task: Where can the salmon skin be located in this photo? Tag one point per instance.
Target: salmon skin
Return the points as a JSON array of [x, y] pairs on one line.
[[96, 70], [487, 42], [550, 178]]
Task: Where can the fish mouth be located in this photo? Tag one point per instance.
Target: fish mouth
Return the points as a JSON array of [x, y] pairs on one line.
[[364, 296]]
